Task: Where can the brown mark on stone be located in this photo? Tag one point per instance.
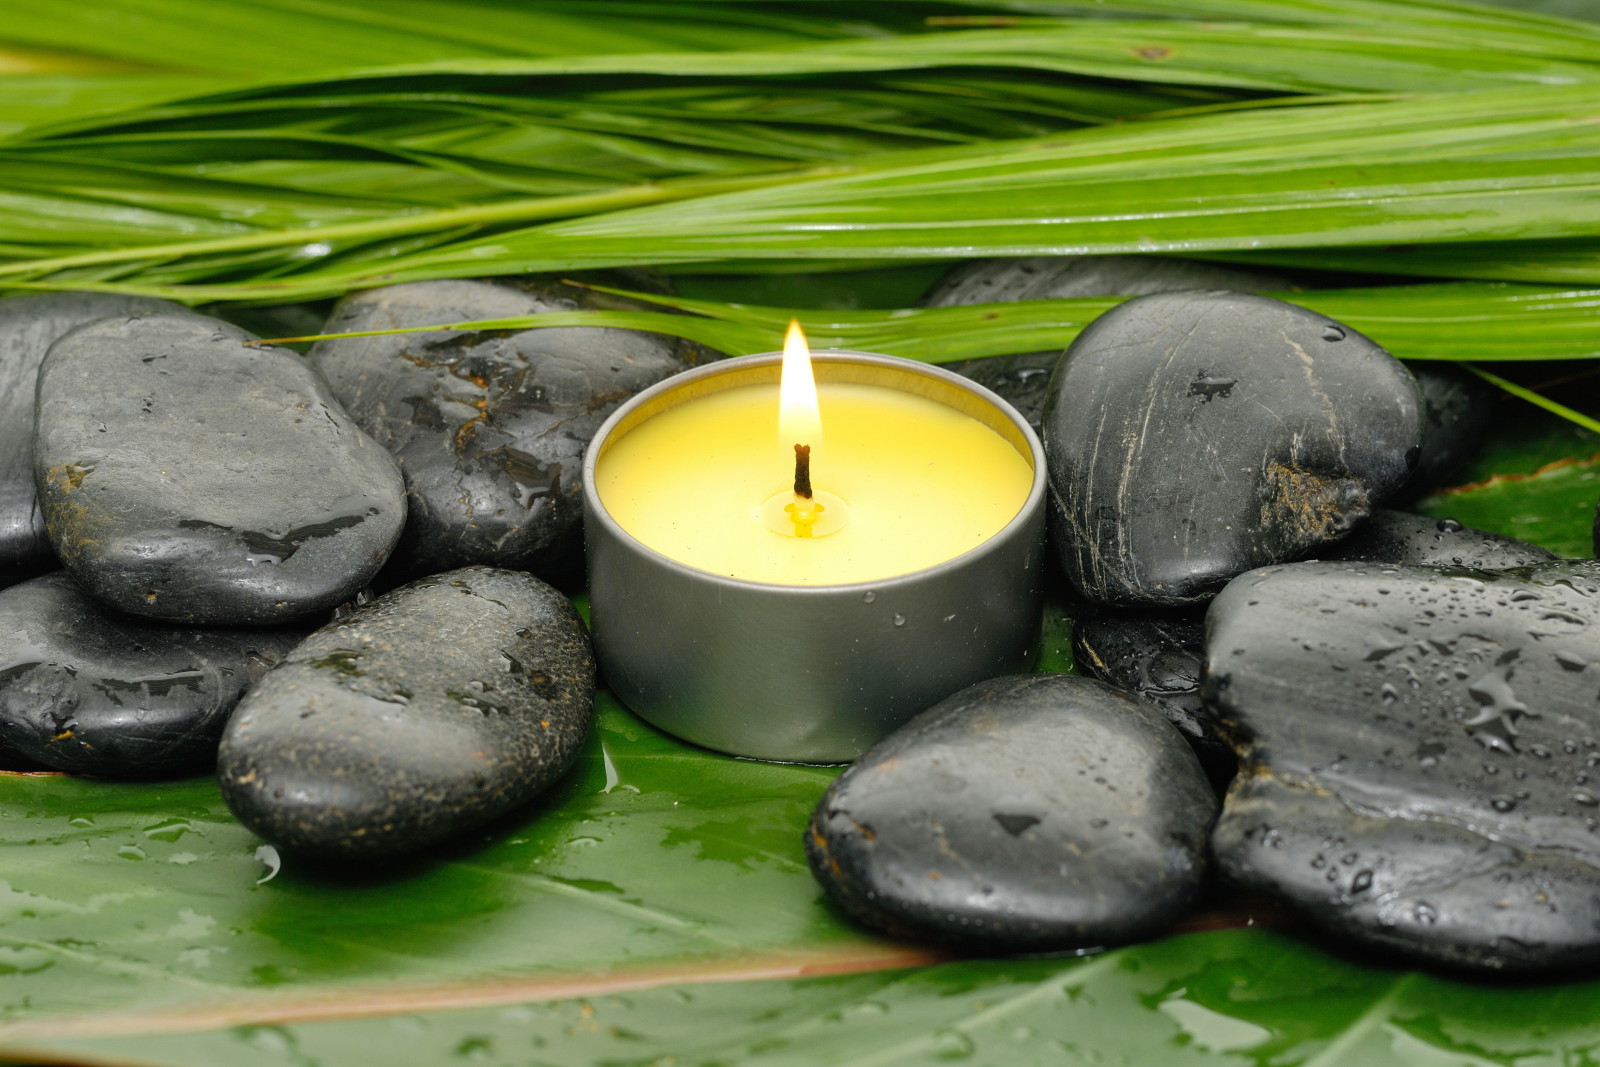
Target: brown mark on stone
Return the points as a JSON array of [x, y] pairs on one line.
[[67, 476], [1309, 507]]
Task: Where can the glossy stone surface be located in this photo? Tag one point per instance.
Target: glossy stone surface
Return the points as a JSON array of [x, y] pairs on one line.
[[1156, 656], [414, 718], [89, 690], [1401, 537], [1024, 813], [1023, 378], [1192, 436], [187, 477], [29, 325], [490, 427], [1457, 408], [1422, 750]]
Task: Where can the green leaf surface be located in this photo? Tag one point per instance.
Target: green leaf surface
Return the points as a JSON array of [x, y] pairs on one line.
[[1553, 506], [1455, 321], [1503, 164], [129, 901], [655, 907]]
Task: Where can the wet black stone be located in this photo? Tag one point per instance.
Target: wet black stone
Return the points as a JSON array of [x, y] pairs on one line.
[[1026, 813], [28, 326], [1191, 436], [1401, 537], [1457, 408], [1157, 656], [490, 427], [186, 477], [1422, 750], [89, 690], [1023, 378], [413, 718]]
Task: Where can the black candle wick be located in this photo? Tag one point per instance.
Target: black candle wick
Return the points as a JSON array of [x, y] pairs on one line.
[[802, 471]]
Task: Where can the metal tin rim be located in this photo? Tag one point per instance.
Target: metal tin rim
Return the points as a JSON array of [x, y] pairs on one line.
[[1032, 501]]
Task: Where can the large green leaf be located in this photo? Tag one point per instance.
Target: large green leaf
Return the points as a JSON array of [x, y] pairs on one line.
[[1244, 997], [1455, 321], [652, 858], [1503, 164]]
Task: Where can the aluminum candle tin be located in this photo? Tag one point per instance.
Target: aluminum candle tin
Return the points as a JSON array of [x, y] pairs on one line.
[[813, 673]]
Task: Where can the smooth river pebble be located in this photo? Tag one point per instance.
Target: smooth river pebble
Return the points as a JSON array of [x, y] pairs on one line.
[[414, 718], [490, 427], [1401, 537], [1422, 745], [1025, 813], [1156, 656], [1192, 436], [29, 325], [185, 476], [86, 689], [1022, 378]]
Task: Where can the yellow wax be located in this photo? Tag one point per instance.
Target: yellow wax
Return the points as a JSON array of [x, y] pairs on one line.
[[922, 483]]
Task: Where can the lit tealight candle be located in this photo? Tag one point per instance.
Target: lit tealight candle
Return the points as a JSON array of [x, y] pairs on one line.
[[789, 568], [897, 481]]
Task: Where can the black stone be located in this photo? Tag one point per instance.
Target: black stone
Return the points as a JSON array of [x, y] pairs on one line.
[[1008, 280], [1420, 752], [1026, 813], [1157, 657], [1023, 378], [1457, 409], [1192, 436], [413, 718], [490, 427], [88, 690], [29, 325], [1401, 537], [187, 477]]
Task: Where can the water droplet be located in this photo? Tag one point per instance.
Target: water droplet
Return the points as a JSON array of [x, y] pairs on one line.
[[1448, 526], [168, 830], [268, 855], [1425, 913], [1502, 803], [1332, 333], [899, 620], [1015, 825], [1571, 662], [868, 597], [1362, 882], [1584, 797], [952, 1045]]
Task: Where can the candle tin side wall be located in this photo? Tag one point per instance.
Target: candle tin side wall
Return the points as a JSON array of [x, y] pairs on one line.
[[810, 673]]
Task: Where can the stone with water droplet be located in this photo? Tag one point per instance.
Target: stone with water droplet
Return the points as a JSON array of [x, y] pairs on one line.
[[414, 718], [1025, 813], [1023, 379], [1156, 657], [186, 476], [1463, 796], [92, 691], [1401, 537], [29, 325], [1192, 436], [490, 426]]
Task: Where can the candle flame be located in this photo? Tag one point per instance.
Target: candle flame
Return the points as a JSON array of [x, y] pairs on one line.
[[799, 418]]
